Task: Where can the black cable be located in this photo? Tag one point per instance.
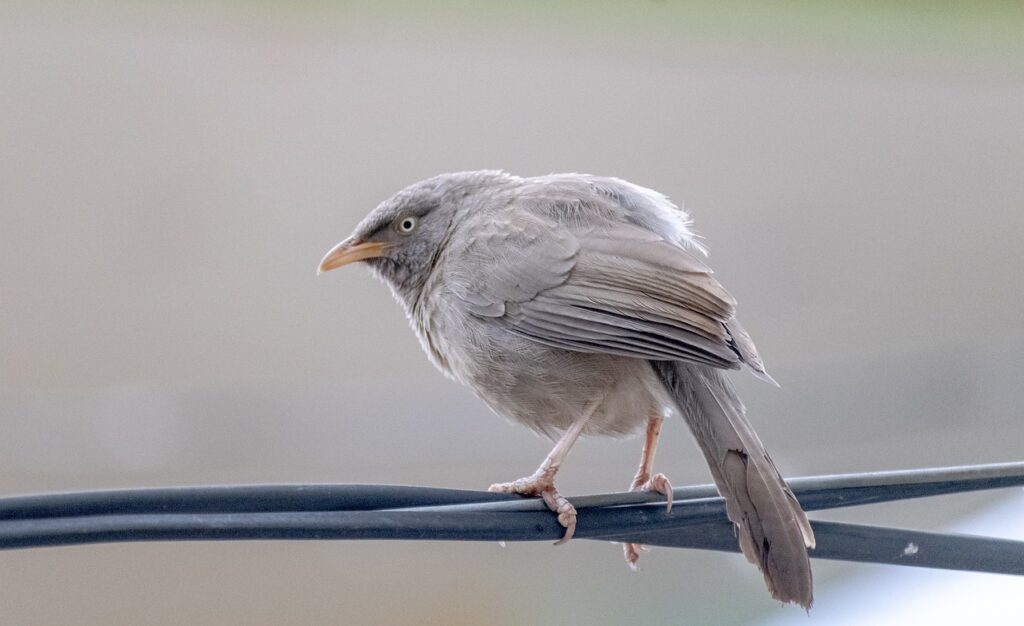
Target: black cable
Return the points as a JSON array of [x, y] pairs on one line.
[[847, 542], [235, 499], [868, 544], [815, 492], [397, 512]]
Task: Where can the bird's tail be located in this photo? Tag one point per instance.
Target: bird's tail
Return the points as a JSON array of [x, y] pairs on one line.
[[773, 531]]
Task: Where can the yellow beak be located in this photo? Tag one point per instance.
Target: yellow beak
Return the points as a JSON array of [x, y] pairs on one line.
[[350, 251]]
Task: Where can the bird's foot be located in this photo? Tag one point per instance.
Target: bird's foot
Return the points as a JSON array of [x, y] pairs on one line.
[[542, 485], [658, 484]]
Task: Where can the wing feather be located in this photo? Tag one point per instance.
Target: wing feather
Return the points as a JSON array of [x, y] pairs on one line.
[[615, 289]]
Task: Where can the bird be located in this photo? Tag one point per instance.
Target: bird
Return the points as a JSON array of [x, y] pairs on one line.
[[581, 305]]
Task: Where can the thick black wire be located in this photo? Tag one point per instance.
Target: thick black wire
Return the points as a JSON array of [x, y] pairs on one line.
[[396, 512], [236, 499], [703, 528], [818, 492], [870, 544]]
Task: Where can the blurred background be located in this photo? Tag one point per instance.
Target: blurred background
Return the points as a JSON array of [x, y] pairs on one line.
[[171, 174]]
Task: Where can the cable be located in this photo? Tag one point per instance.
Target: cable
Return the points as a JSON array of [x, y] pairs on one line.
[[826, 492], [870, 544], [398, 512]]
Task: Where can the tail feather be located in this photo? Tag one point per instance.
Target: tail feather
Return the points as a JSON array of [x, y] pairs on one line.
[[773, 531]]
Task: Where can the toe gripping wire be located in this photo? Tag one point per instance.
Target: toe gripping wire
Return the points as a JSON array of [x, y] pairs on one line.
[[697, 519]]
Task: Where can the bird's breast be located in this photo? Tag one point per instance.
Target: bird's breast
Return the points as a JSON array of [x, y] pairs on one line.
[[425, 323], [540, 386]]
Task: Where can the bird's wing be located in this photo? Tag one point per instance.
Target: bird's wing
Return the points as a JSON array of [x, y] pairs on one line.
[[614, 289], [508, 261]]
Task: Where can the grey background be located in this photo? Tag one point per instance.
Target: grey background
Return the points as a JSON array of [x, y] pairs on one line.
[[170, 174]]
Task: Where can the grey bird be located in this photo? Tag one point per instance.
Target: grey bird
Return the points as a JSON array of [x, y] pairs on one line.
[[579, 304]]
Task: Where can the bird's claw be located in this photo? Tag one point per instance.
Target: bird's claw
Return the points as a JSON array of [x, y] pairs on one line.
[[657, 483], [543, 487], [565, 510], [632, 553]]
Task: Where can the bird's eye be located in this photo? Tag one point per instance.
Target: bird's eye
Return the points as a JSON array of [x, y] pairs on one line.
[[406, 225]]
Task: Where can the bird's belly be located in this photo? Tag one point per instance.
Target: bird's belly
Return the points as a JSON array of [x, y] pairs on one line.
[[548, 388]]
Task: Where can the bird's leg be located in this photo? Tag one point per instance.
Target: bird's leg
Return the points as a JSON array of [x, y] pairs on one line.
[[542, 482], [645, 481]]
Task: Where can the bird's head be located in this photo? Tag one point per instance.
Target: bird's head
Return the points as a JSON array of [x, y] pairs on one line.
[[401, 239]]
